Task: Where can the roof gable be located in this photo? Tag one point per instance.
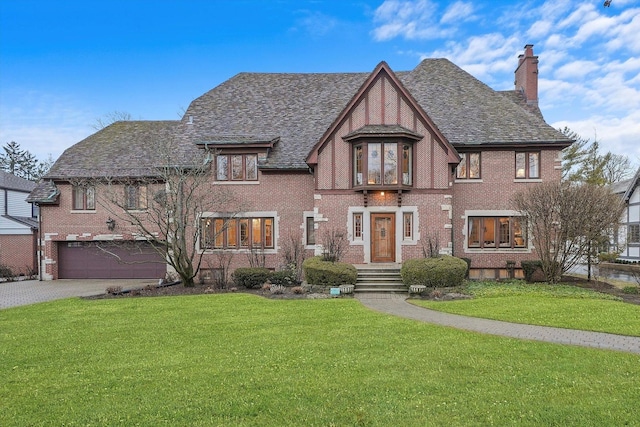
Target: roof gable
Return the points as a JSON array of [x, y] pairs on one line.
[[382, 71]]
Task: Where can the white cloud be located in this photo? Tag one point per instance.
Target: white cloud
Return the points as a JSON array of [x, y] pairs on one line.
[[315, 23], [615, 134], [576, 69], [457, 12]]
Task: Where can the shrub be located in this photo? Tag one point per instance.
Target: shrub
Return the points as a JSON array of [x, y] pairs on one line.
[[607, 257], [251, 278], [529, 268], [284, 277], [5, 272], [631, 290], [297, 290], [443, 271], [327, 273]]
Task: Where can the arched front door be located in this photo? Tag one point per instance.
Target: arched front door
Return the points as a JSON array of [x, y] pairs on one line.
[[383, 237]]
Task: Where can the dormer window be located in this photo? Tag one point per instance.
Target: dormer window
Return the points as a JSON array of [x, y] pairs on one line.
[[237, 167]]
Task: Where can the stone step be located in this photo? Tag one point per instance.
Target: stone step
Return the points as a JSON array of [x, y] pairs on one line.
[[380, 287], [379, 278]]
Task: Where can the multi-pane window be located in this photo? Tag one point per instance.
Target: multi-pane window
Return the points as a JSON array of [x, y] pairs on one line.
[[496, 232], [236, 233], [135, 197], [237, 167], [84, 197], [407, 225], [357, 226], [528, 165], [469, 166], [633, 233], [311, 231], [382, 163]]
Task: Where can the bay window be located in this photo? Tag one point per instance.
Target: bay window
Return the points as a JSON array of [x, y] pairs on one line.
[[382, 164]]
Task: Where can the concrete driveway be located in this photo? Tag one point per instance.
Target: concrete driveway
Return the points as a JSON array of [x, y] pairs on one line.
[[26, 292]]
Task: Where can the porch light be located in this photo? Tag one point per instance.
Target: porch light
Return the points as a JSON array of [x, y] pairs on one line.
[[382, 193], [111, 224]]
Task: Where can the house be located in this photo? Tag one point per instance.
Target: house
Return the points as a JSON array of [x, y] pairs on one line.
[[397, 159], [18, 225], [627, 240]]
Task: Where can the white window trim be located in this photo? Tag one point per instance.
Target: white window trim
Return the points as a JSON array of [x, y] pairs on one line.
[[489, 213], [254, 214]]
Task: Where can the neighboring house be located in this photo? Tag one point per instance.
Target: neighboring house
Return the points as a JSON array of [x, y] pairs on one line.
[[18, 225], [396, 159], [627, 240]]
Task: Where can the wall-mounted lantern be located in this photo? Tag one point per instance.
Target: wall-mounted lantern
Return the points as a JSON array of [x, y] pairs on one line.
[[111, 224]]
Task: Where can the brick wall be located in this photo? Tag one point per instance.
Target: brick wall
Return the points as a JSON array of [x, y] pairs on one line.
[[18, 253]]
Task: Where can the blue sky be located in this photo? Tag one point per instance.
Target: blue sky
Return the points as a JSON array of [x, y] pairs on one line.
[[64, 64]]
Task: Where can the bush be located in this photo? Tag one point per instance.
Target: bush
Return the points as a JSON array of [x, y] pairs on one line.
[[631, 290], [443, 271], [327, 273], [529, 268], [251, 278], [284, 277], [5, 272], [607, 257]]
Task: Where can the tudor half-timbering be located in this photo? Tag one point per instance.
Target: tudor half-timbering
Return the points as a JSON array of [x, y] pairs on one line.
[[400, 160]]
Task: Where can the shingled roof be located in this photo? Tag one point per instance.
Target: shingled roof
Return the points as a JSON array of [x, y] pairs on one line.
[[295, 110], [12, 182]]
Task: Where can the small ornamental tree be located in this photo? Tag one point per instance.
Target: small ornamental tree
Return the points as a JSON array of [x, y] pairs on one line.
[[164, 205], [566, 221]]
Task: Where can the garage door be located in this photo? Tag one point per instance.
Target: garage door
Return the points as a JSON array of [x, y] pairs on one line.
[[109, 260]]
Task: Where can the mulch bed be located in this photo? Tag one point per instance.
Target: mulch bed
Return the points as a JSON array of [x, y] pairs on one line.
[[175, 289]]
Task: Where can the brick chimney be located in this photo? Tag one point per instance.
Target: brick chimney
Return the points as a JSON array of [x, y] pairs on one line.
[[527, 75]]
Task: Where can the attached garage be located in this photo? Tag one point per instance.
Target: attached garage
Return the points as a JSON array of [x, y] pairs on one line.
[[109, 260]]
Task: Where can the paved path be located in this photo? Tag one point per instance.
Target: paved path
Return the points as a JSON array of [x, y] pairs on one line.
[[398, 306], [26, 292]]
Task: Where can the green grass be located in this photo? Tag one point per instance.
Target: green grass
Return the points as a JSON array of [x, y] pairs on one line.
[[240, 360], [549, 305]]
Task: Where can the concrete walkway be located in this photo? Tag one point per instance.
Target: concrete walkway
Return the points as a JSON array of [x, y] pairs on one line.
[[398, 306], [24, 292]]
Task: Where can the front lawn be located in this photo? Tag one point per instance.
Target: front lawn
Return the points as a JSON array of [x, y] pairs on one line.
[[561, 306], [240, 360]]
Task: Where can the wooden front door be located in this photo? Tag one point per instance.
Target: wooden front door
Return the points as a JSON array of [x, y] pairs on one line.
[[383, 237]]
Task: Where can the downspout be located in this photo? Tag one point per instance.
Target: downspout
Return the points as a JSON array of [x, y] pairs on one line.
[[40, 245]]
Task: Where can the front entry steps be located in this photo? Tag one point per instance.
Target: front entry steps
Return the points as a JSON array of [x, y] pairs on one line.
[[379, 278]]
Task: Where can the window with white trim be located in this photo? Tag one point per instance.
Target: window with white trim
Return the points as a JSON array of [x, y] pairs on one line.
[[236, 233], [496, 232]]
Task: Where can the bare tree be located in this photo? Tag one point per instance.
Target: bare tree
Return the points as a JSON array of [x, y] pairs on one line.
[[334, 243], [112, 117], [165, 207], [566, 221], [293, 252]]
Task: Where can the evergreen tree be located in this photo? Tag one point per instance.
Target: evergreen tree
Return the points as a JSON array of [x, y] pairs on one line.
[[22, 163]]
